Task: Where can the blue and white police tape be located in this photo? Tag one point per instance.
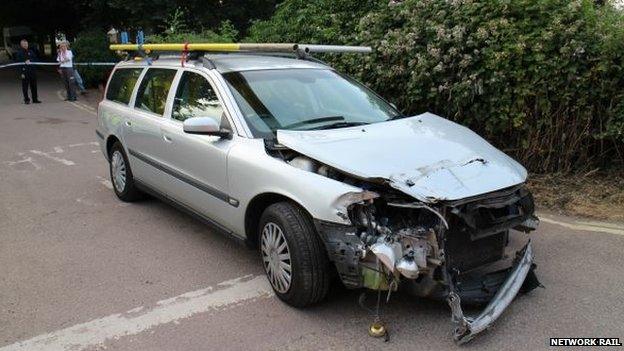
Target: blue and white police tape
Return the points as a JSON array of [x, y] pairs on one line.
[[56, 64]]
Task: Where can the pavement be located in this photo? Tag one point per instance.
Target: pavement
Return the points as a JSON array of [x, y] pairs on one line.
[[80, 270]]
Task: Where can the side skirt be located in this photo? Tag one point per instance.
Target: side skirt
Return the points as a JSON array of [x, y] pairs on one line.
[[186, 209]]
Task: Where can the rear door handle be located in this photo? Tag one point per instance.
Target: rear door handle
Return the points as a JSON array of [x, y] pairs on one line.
[[128, 123]]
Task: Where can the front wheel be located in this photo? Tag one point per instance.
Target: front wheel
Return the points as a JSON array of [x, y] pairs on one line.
[[294, 258]]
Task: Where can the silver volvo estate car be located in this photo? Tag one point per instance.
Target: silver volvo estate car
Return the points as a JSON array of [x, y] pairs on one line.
[[325, 178]]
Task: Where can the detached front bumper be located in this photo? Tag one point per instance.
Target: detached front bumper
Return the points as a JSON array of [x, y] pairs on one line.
[[468, 327]]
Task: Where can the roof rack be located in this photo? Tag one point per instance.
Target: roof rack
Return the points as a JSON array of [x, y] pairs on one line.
[[196, 51], [243, 47]]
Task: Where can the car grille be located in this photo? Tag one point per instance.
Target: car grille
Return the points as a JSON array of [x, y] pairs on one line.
[[464, 254]]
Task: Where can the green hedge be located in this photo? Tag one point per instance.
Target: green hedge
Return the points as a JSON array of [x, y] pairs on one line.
[[92, 46], [177, 31], [541, 79], [315, 22]]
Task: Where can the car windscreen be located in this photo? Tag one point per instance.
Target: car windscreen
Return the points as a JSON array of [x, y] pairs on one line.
[[304, 99]]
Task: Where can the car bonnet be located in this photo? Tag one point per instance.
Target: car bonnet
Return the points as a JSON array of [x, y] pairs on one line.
[[426, 156]]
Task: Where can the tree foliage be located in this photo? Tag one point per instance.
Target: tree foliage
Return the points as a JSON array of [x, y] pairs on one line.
[[92, 46], [72, 17], [542, 79], [43, 17], [315, 22], [177, 31], [153, 15]]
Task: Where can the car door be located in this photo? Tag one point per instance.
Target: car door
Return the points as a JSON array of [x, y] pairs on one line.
[[144, 138], [117, 112], [200, 160]]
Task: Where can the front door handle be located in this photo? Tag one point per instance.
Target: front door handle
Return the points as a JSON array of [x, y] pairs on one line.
[[167, 138], [128, 123]]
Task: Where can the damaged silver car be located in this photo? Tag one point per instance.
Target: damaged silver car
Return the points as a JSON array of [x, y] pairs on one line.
[[325, 178]]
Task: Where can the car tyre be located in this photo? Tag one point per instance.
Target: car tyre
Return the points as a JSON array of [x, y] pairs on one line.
[[288, 239], [121, 175]]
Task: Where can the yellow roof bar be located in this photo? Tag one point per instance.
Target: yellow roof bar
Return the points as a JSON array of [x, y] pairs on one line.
[[234, 47]]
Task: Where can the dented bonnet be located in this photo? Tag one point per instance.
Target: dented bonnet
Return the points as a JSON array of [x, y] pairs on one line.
[[425, 156]]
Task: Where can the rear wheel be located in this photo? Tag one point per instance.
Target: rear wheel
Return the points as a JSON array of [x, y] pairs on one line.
[[293, 255], [121, 175]]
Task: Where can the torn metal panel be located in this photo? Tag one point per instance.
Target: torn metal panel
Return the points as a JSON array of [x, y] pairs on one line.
[[507, 209], [344, 249], [453, 250], [468, 327], [425, 156]]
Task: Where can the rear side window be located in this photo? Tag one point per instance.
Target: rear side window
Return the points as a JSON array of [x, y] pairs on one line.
[[122, 84], [153, 91]]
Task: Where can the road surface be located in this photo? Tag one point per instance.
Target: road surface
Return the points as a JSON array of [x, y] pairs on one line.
[[81, 270]]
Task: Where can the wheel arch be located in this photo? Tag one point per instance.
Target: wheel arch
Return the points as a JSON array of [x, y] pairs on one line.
[[110, 141], [256, 207]]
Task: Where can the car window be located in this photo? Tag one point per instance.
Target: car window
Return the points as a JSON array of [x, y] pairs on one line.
[[195, 97], [304, 99], [154, 88], [122, 84]]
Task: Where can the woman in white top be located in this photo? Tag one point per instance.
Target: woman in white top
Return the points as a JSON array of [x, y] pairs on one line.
[[65, 58]]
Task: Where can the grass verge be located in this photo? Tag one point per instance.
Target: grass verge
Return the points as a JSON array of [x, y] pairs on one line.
[[595, 194]]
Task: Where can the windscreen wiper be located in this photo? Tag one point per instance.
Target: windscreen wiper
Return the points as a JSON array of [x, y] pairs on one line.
[[399, 116], [339, 125], [313, 121]]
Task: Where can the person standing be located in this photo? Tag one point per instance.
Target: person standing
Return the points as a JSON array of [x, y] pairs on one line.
[[65, 59], [27, 71], [79, 82], [140, 36], [124, 36]]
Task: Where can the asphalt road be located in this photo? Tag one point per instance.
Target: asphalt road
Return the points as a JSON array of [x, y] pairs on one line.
[[81, 270]]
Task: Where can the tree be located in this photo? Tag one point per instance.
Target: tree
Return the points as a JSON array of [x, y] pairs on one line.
[[44, 17]]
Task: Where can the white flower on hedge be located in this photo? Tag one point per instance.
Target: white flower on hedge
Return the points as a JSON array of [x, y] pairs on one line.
[[458, 32], [465, 61], [433, 52], [482, 33]]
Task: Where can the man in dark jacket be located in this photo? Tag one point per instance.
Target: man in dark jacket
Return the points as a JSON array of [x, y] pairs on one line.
[[27, 71]]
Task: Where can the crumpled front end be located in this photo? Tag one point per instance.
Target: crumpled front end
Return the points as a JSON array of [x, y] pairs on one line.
[[441, 212], [456, 251], [520, 276]]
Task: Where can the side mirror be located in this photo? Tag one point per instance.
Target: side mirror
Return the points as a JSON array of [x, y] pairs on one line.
[[205, 126]]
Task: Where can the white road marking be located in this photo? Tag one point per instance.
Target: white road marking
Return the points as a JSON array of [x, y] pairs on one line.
[[88, 107], [23, 160], [587, 226], [56, 150], [86, 202], [57, 159], [95, 143], [83, 107], [138, 320], [107, 183], [79, 105], [601, 224]]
